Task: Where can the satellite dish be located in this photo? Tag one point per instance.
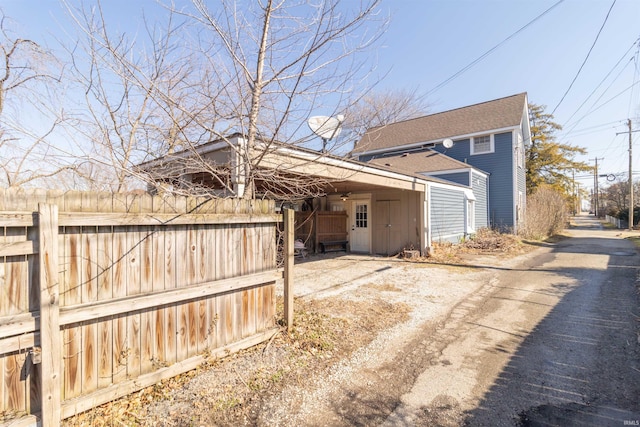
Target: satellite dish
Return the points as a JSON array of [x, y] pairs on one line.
[[447, 143], [326, 127]]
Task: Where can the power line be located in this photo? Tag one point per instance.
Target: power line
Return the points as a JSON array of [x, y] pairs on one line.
[[487, 53], [635, 78], [604, 79], [592, 109], [586, 58]]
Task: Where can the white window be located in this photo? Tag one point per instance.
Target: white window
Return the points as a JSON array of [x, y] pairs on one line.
[[361, 216], [482, 144]]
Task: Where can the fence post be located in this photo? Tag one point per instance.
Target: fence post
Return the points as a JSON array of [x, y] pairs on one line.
[[289, 216], [49, 314]]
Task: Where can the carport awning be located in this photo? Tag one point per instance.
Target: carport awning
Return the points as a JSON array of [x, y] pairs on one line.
[[345, 174]]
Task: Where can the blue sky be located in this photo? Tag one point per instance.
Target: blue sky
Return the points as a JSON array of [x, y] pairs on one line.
[[428, 41]]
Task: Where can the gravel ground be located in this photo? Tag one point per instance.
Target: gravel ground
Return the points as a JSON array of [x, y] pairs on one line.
[[357, 317]]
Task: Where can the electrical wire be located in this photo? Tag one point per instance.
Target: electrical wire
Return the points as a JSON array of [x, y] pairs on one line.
[[586, 58], [487, 53], [635, 79], [603, 80], [592, 109]]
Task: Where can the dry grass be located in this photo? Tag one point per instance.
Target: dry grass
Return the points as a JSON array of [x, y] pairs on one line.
[[487, 240], [230, 391]]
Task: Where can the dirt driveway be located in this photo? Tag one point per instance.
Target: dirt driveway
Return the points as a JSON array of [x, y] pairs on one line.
[[384, 341]]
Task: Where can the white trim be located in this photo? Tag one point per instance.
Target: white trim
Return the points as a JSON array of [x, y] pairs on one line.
[[470, 216], [446, 171], [468, 194], [514, 171], [322, 159], [443, 172], [435, 141], [492, 145], [446, 236], [482, 174]]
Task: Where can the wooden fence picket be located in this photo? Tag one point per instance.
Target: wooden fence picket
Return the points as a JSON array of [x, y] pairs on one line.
[[105, 294]]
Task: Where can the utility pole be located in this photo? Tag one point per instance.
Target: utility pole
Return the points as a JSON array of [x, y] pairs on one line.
[[596, 199], [631, 202]]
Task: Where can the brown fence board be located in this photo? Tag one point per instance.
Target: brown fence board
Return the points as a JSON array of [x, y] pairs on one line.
[[144, 286]]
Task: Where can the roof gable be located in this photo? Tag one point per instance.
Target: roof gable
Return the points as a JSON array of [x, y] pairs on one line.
[[491, 115]]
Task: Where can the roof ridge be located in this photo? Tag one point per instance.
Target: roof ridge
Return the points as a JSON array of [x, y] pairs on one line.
[[446, 111]]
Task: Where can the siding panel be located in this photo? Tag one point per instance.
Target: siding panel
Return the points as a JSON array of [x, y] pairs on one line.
[[447, 214], [500, 167], [457, 177], [479, 187]]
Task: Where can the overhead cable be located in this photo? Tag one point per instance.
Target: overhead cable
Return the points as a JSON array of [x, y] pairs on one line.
[[586, 58], [487, 53]]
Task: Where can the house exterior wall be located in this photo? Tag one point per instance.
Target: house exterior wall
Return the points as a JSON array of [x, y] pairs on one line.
[[480, 191], [447, 214], [521, 179], [500, 165], [457, 177]]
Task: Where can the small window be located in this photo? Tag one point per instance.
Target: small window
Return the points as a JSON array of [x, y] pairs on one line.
[[482, 144], [361, 216]]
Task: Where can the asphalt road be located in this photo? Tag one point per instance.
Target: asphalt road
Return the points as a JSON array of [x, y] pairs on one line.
[[551, 342]]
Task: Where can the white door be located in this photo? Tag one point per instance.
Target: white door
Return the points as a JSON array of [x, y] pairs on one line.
[[359, 236]]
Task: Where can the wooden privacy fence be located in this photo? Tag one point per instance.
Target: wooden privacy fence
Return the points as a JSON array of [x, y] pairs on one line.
[[102, 295]]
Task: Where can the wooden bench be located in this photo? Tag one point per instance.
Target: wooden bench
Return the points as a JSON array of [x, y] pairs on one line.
[[333, 245]]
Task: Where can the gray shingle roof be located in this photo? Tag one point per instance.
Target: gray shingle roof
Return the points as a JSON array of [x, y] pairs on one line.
[[497, 114], [425, 161]]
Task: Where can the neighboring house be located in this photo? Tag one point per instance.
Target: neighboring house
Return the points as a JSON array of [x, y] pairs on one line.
[[489, 138], [435, 164], [388, 210]]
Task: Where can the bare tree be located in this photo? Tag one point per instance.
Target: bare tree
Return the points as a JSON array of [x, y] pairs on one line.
[[380, 108], [279, 62], [256, 69], [119, 122], [29, 75]]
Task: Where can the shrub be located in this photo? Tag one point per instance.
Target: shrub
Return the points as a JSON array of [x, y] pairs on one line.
[[488, 240], [547, 214]]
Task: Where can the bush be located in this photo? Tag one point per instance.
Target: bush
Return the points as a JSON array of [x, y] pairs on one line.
[[488, 240], [623, 214], [547, 214]]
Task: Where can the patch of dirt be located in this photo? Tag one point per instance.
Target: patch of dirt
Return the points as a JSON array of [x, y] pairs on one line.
[[230, 391]]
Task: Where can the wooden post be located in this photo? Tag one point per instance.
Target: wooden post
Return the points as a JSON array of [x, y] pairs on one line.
[[49, 314], [288, 267]]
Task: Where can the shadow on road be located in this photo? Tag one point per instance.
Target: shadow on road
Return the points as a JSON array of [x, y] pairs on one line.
[[581, 363]]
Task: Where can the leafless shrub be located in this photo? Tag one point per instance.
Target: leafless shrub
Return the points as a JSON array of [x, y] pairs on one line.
[[489, 240], [547, 214]]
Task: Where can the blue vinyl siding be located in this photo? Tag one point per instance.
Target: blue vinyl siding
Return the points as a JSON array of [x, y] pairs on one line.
[[479, 187], [458, 177], [447, 214], [499, 165]]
